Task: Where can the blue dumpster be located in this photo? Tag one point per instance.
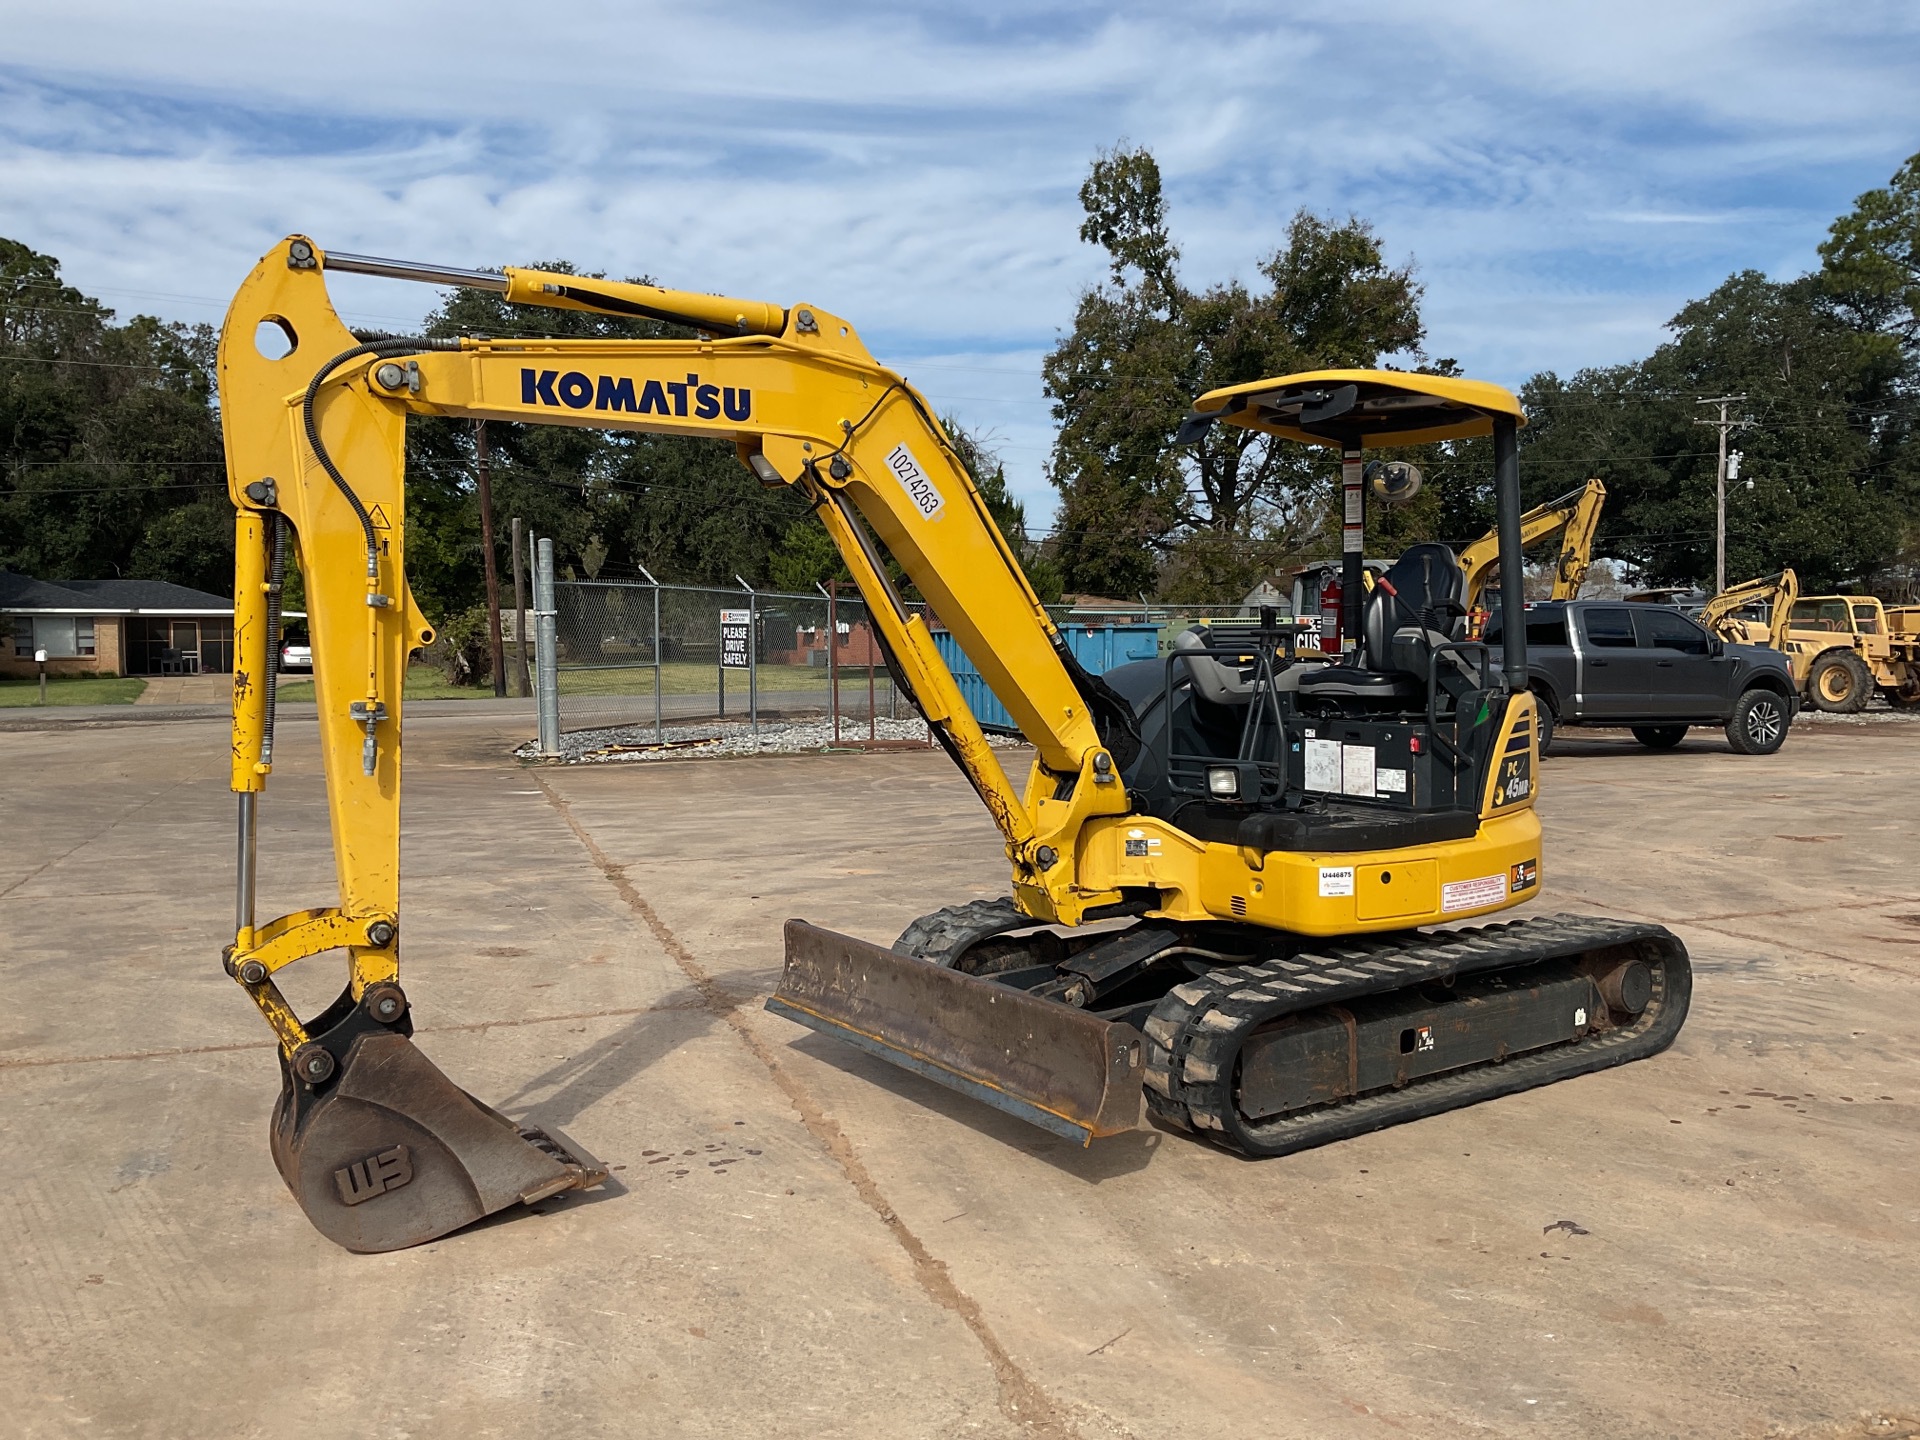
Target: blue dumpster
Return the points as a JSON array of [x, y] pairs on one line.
[[1098, 647]]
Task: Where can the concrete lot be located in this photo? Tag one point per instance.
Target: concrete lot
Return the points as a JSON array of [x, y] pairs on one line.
[[803, 1242]]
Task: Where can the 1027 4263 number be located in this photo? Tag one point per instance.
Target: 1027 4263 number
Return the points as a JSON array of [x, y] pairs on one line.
[[919, 485]]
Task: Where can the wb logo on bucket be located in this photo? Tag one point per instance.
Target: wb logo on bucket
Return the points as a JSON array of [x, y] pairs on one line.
[[575, 390], [375, 1175]]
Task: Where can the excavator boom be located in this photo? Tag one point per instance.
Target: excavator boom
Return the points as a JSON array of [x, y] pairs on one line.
[[1574, 516]]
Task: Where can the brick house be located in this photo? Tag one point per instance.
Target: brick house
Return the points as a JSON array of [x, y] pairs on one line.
[[857, 647], [113, 627]]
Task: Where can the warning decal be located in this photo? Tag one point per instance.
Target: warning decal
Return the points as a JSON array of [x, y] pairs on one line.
[[1473, 894]]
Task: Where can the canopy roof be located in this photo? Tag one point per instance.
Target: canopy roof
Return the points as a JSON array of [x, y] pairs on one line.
[[1379, 408]]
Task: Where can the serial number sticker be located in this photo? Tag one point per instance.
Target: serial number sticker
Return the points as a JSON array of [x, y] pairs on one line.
[[919, 485], [1390, 782], [1336, 880], [1472, 894]]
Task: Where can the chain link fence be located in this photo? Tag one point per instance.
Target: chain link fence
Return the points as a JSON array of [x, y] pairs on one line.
[[630, 653]]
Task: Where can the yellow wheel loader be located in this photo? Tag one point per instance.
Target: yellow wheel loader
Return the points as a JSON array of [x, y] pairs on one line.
[[1842, 648], [1225, 866]]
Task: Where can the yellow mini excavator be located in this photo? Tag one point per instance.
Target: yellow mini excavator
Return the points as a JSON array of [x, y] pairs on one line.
[[1227, 865]]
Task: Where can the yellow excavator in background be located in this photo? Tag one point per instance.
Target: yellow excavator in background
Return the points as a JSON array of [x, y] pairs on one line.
[[1221, 862], [1575, 515], [1756, 613], [1841, 648]]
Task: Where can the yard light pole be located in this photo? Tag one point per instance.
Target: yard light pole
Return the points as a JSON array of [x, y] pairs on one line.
[[40, 658]]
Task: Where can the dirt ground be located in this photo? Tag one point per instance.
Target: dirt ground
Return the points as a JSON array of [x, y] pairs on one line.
[[1722, 1241]]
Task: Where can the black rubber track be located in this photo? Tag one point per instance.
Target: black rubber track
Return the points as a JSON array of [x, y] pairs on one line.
[[1195, 1034], [948, 933]]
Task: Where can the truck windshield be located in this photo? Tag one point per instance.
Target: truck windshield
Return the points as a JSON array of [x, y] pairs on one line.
[[1829, 615]]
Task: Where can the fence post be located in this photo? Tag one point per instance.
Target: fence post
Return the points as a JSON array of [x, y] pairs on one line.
[[753, 658], [658, 733], [546, 651], [832, 590]]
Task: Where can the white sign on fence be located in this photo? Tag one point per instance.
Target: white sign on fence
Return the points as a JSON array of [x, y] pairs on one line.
[[736, 639]]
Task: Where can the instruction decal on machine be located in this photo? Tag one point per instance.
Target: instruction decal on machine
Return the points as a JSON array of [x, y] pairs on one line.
[[1323, 765], [1336, 879], [1472, 894], [919, 485], [1357, 764]]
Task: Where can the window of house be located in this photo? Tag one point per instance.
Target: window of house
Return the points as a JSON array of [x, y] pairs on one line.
[[61, 636]]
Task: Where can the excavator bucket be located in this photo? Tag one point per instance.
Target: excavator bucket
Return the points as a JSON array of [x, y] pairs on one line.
[[388, 1152], [1051, 1065]]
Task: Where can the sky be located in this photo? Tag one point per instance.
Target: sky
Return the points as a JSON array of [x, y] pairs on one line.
[[1563, 176]]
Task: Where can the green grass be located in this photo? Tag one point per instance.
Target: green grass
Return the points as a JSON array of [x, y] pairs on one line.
[[692, 677], [424, 682], [74, 690], [677, 677]]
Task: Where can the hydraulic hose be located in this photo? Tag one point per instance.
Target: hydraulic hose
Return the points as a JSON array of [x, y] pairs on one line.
[[396, 345]]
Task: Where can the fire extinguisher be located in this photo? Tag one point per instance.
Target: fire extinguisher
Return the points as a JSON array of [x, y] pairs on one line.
[[1330, 615]]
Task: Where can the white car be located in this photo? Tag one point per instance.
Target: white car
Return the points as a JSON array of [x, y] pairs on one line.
[[296, 651]]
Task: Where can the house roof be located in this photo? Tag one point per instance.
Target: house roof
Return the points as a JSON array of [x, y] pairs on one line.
[[24, 594]]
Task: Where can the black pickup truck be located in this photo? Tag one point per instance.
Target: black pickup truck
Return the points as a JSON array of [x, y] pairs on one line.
[[1654, 671]]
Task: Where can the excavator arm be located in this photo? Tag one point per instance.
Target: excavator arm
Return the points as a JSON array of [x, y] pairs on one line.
[[315, 421], [1574, 516], [1777, 592]]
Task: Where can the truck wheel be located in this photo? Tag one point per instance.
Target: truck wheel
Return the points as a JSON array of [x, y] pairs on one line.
[[1544, 724], [1839, 683], [1659, 737], [1759, 723]]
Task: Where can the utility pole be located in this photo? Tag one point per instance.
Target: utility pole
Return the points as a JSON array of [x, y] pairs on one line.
[[1723, 425], [481, 457], [522, 686]]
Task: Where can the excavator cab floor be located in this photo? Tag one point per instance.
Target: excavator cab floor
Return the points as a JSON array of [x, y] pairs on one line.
[[388, 1152]]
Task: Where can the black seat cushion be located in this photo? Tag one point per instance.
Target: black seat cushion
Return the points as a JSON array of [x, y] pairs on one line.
[[1334, 828], [1350, 682]]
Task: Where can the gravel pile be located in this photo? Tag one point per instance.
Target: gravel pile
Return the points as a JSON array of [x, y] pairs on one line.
[[725, 738], [1876, 714]]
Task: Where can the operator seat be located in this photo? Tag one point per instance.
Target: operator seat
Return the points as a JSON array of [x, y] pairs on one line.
[[1416, 605]]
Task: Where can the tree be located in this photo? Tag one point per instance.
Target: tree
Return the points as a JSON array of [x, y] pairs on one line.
[[1870, 260], [110, 456], [1820, 487], [1209, 519]]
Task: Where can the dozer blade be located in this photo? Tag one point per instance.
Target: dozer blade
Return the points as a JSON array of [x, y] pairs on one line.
[[389, 1152], [1047, 1063]]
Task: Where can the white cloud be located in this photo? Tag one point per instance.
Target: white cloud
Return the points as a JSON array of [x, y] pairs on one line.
[[1566, 176]]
